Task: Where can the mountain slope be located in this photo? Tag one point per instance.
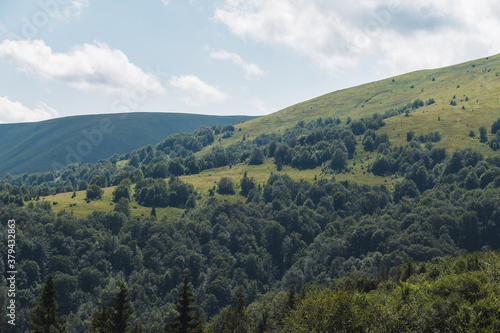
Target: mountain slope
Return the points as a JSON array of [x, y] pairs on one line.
[[41, 146], [476, 81]]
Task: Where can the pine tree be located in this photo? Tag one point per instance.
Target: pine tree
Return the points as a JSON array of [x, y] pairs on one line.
[[45, 317], [153, 211], [188, 319], [113, 319], [122, 310], [100, 322], [236, 318]]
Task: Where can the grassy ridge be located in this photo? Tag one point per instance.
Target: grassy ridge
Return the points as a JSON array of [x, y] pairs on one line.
[[479, 80], [33, 147]]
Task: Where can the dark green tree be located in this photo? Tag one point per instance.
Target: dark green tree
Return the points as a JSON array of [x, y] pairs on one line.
[[405, 188], [83, 186], [236, 319], [339, 160], [225, 186], [188, 319], [45, 317], [191, 201], [483, 136], [114, 318], [100, 322], [122, 310], [471, 181], [256, 157], [495, 127], [246, 184], [122, 190], [94, 192], [123, 206], [153, 211]]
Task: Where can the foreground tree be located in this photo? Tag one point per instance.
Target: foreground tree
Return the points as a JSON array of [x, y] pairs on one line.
[[235, 320], [45, 317], [188, 319], [113, 319]]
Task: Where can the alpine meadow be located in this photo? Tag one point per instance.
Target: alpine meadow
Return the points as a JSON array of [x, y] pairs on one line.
[[369, 209]]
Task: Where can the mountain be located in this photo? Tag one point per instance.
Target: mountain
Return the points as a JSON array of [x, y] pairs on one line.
[[43, 146], [359, 198], [474, 86]]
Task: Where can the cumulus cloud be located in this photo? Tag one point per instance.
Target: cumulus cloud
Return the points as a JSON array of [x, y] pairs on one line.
[[196, 92], [15, 112], [94, 67], [403, 34], [251, 70]]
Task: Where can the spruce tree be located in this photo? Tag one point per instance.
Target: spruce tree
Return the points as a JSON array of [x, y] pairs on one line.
[[188, 319], [100, 322], [113, 319], [236, 318], [45, 316], [122, 310]]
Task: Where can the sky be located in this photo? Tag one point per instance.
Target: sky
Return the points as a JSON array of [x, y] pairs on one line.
[[227, 57]]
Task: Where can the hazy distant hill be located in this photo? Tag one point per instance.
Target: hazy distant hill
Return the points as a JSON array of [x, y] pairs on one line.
[[41, 146]]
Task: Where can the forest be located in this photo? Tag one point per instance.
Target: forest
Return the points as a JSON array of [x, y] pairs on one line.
[[288, 256]]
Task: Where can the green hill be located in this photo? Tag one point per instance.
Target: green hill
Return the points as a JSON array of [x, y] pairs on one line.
[[474, 86], [352, 216], [41, 146]]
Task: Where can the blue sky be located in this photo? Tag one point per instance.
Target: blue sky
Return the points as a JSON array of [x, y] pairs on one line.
[[225, 57]]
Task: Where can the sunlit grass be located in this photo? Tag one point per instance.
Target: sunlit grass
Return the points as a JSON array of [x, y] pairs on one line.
[[80, 208]]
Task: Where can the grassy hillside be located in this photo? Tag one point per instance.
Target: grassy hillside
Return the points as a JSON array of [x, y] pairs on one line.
[[293, 227], [78, 207], [474, 86], [34, 147], [478, 81]]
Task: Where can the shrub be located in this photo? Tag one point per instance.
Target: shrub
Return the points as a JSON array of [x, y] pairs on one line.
[[430, 101]]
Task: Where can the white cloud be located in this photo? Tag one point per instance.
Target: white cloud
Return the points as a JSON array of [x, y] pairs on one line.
[[86, 67], [15, 112], [197, 92], [165, 2], [404, 34], [251, 70], [74, 8]]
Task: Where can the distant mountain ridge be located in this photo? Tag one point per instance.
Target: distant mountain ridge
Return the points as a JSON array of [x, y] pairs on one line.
[[53, 144]]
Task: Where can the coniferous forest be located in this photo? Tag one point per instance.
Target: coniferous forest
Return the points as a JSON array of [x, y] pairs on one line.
[[284, 255]]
